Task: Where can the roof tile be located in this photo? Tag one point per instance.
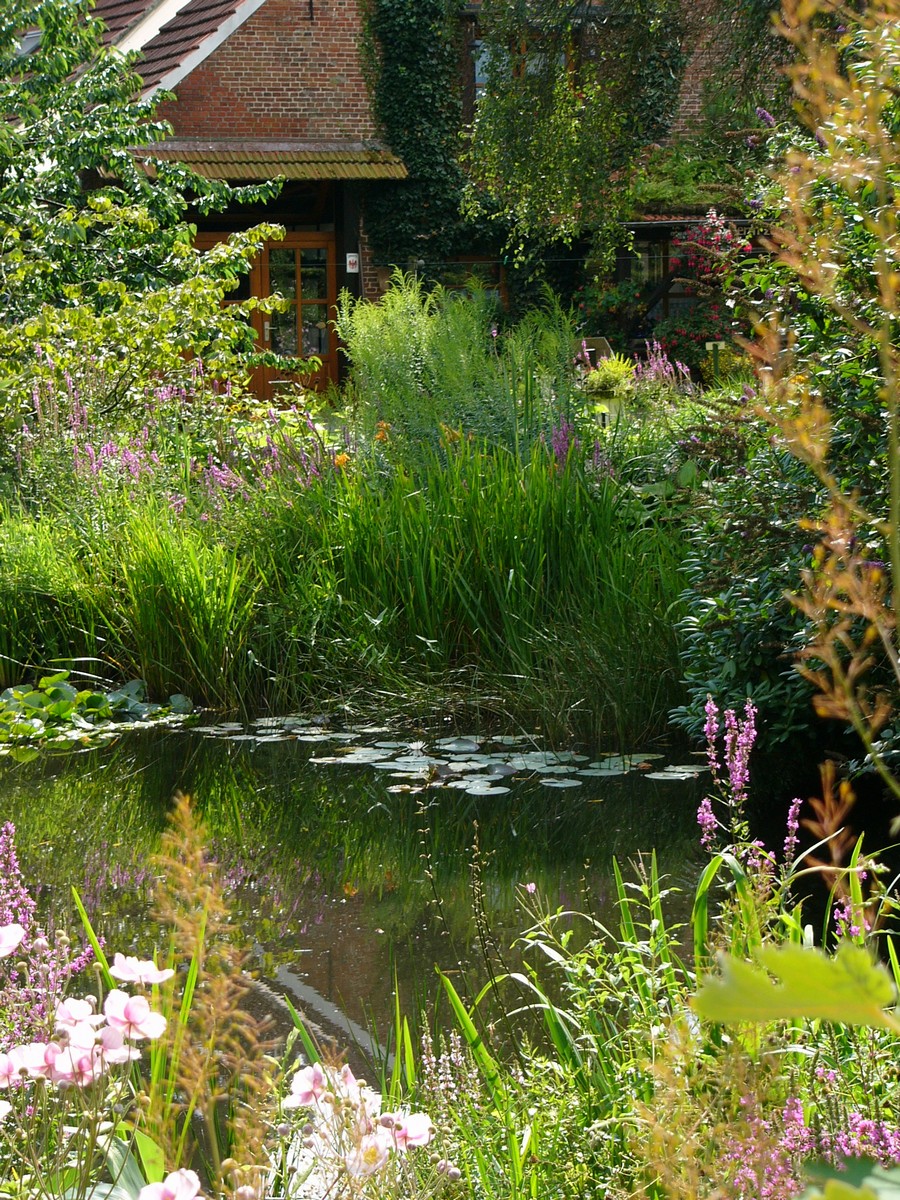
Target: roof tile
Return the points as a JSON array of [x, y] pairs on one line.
[[181, 36]]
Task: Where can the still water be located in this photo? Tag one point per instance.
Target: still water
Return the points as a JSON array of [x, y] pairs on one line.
[[355, 857]]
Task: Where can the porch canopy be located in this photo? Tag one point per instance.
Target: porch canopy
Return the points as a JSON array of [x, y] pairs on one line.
[[256, 160]]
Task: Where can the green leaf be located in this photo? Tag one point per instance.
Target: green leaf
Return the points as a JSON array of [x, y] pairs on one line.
[[855, 1179], [849, 988], [123, 1167], [150, 1154]]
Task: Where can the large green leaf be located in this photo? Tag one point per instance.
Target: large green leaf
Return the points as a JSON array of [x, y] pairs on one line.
[[849, 988], [857, 1179]]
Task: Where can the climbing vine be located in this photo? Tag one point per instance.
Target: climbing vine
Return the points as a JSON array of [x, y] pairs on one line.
[[597, 83], [412, 51]]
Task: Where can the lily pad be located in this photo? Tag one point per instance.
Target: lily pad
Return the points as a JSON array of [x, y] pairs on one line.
[[562, 783], [459, 745]]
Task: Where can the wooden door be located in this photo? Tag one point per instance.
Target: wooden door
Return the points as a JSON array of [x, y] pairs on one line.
[[301, 268]]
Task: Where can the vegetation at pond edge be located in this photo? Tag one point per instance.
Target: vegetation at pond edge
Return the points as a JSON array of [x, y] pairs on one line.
[[483, 514]]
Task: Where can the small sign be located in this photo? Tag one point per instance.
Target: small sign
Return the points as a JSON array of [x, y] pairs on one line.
[[352, 264]]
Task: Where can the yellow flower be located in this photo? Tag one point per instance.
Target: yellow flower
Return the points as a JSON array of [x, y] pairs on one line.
[[381, 435], [341, 460]]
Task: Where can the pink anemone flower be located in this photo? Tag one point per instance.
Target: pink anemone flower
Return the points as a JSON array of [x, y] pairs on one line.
[[307, 1087], [133, 1016], [412, 1129], [127, 969], [10, 939], [179, 1185]]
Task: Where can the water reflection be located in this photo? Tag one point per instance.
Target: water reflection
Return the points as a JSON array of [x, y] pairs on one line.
[[340, 881]]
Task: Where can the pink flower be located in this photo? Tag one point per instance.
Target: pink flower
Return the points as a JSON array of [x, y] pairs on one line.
[[133, 1016], [370, 1154], [10, 937], [138, 970], [113, 1049], [5, 1109], [179, 1185], [75, 1064], [415, 1129], [36, 1058], [11, 1067], [71, 1012], [307, 1087]]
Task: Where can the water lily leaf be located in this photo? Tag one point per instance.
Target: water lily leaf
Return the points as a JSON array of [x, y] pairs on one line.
[[562, 783], [849, 988], [22, 754], [179, 703], [855, 1179], [670, 775]]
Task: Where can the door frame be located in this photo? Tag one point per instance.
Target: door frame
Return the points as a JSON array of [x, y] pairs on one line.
[[264, 381]]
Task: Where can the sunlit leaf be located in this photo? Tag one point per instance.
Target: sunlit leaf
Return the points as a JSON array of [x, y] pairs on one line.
[[849, 988], [855, 1179]]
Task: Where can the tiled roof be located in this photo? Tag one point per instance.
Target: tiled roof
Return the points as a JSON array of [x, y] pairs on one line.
[[258, 160], [679, 218], [120, 15], [195, 22], [167, 32]]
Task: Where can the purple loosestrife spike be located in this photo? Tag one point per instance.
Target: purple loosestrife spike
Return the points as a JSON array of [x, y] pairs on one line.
[[792, 827], [709, 826]]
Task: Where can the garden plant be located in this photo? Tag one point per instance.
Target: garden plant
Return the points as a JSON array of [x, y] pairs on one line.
[[460, 524]]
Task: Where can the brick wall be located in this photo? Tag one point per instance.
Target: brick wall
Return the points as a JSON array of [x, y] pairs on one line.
[[281, 75], [703, 34]]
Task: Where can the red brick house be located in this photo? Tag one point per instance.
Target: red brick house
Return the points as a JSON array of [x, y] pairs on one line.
[[271, 88], [268, 88]]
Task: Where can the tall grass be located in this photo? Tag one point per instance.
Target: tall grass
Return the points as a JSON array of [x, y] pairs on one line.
[[47, 609], [516, 578], [181, 608]]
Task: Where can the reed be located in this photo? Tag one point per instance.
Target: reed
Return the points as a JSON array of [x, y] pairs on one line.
[[180, 607], [48, 614]]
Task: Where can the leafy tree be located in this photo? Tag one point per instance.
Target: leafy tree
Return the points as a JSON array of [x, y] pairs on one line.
[[96, 258], [573, 90]]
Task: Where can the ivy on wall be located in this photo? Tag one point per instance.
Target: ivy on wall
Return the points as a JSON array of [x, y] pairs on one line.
[[412, 51], [574, 91]]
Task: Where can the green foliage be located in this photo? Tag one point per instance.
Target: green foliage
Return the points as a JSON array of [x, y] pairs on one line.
[[96, 256], [686, 176], [599, 999], [611, 381], [860, 1180], [182, 607], [595, 84], [55, 710], [431, 365], [412, 51], [849, 988]]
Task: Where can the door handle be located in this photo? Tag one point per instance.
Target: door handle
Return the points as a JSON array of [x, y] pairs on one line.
[[266, 327]]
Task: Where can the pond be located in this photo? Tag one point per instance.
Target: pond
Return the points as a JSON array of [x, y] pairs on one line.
[[355, 857]]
